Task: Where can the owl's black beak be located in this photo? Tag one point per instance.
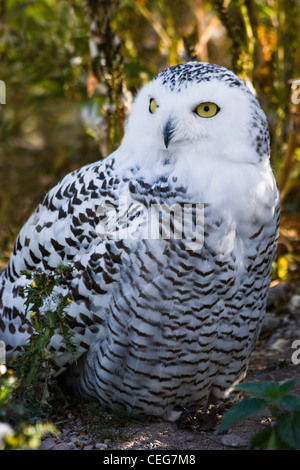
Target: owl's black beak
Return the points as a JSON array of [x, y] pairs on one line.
[[169, 131]]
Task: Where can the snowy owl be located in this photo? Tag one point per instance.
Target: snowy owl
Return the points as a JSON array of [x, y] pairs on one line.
[[171, 240]]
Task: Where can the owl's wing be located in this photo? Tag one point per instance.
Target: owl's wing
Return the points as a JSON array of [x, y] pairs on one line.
[[66, 228]]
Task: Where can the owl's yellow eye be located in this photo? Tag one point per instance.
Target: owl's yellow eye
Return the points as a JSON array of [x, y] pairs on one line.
[[153, 106], [207, 110]]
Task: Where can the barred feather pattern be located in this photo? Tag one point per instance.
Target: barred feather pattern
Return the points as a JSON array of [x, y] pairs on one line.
[[154, 325]]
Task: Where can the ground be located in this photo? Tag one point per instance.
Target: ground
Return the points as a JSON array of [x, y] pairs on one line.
[[88, 427]]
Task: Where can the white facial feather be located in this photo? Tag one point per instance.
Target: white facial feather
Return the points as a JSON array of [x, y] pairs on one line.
[[225, 136]]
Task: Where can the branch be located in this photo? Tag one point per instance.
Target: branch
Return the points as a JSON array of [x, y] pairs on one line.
[[158, 28], [234, 34], [294, 135]]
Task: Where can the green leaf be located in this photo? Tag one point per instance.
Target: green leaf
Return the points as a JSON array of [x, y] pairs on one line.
[[269, 390], [268, 439], [258, 389], [286, 386], [288, 428], [241, 410], [274, 443], [261, 439], [297, 154], [291, 401]]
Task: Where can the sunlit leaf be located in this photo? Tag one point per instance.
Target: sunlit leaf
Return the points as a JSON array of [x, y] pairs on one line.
[[282, 267], [297, 154]]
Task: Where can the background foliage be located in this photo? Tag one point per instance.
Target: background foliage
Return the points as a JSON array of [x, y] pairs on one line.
[[72, 68]]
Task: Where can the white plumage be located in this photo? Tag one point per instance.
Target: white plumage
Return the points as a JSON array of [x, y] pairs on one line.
[[155, 324]]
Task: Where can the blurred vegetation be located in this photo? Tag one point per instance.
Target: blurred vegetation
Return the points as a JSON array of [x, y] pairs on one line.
[[72, 68], [20, 429]]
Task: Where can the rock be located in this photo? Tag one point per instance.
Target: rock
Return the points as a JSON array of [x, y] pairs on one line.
[[279, 344], [48, 444], [233, 440], [101, 446], [294, 304], [270, 323], [61, 446], [71, 445], [278, 295]]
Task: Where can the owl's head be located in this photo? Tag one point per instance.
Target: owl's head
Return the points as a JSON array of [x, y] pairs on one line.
[[200, 108]]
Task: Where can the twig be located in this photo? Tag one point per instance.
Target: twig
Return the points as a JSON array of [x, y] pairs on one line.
[[294, 135]]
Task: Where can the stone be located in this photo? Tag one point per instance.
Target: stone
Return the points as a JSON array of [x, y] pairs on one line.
[[101, 446], [233, 440], [61, 446], [48, 444]]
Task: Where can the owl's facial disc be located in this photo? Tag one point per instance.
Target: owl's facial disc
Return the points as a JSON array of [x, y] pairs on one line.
[[203, 110], [198, 110]]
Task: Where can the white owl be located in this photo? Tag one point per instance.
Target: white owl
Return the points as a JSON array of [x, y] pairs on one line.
[[161, 319]]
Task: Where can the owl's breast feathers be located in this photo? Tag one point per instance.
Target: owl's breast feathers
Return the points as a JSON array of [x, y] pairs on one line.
[[161, 306], [66, 228]]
